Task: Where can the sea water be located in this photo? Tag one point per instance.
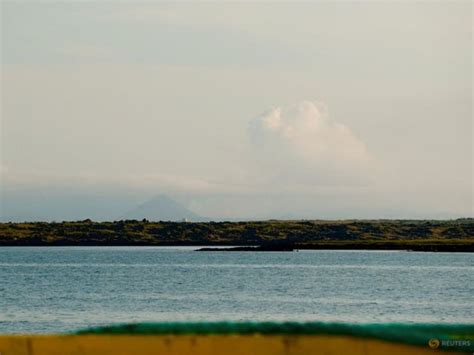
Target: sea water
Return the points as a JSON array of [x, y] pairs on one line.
[[61, 289]]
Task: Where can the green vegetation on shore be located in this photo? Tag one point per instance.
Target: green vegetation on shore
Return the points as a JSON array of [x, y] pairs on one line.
[[451, 235]]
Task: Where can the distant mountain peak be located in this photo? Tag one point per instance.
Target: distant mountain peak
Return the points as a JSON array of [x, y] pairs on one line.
[[162, 208]]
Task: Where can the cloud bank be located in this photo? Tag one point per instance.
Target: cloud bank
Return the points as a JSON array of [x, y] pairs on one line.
[[301, 144], [293, 149]]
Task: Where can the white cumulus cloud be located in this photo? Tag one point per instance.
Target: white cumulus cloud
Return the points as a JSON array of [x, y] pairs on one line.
[[301, 144]]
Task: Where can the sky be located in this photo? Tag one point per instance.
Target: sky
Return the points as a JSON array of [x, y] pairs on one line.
[[237, 110]]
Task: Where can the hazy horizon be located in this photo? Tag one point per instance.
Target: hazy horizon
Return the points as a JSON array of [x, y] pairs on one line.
[[325, 110]]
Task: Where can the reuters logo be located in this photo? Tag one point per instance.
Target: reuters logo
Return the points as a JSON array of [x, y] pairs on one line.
[[433, 343]]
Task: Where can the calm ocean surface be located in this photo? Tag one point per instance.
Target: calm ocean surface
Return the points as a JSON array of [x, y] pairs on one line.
[[56, 289]]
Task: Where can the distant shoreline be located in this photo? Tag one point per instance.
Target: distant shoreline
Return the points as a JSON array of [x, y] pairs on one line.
[[272, 235], [422, 247]]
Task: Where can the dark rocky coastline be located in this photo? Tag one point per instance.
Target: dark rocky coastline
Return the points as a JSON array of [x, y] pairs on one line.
[[272, 235]]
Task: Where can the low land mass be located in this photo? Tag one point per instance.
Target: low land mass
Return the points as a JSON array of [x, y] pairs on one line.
[[271, 235]]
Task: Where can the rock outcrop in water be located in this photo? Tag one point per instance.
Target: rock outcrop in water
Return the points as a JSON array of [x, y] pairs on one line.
[[268, 246]]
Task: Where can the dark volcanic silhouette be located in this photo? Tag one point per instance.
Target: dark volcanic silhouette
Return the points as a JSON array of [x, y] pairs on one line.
[[162, 208]]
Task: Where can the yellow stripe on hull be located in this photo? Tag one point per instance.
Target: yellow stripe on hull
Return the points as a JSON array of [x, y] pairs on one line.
[[203, 345]]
